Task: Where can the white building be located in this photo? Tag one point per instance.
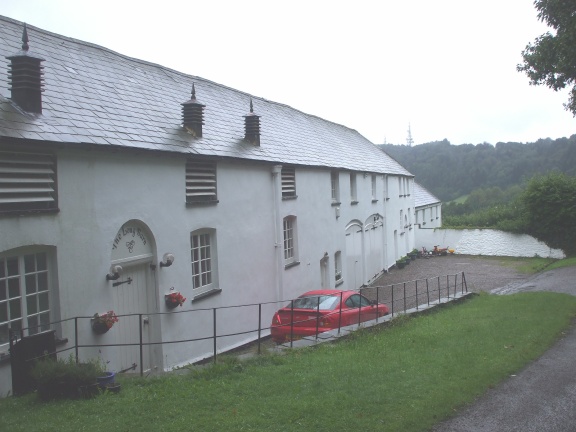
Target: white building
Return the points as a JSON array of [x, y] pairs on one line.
[[114, 169], [428, 208]]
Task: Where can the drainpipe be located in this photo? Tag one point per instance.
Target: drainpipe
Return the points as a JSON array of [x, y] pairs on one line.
[[278, 230]]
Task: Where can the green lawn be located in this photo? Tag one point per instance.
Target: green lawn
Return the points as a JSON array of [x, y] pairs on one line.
[[405, 376]]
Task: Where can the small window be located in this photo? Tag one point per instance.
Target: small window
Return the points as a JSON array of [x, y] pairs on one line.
[[24, 294], [200, 182], [335, 184], [338, 267], [386, 197], [288, 182], [353, 188], [290, 243], [27, 182], [374, 195], [203, 260]]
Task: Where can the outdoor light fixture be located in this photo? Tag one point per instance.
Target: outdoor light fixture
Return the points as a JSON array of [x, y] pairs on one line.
[[115, 272], [167, 260]]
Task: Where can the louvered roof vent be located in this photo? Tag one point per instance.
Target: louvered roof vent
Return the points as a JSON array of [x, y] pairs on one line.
[[252, 126], [193, 115], [26, 78]]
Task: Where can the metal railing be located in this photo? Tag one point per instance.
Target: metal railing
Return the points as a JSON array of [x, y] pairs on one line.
[[398, 297]]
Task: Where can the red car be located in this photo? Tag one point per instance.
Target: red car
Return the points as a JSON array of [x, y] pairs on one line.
[[322, 310]]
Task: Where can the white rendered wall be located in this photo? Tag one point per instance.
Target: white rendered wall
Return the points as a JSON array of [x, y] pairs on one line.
[[99, 192], [485, 242]]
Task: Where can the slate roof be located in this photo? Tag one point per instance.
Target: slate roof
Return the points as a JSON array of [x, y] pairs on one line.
[[422, 197], [99, 97]]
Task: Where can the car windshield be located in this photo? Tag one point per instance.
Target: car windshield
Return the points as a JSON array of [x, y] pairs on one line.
[[322, 302]]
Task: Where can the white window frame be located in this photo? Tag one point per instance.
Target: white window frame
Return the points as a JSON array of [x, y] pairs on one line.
[[374, 189], [204, 262], [290, 235], [353, 188], [25, 292], [201, 185], [335, 186], [339, 280], [386, 196]]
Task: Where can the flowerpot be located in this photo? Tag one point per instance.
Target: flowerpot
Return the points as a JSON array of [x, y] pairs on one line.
[[170, 304], [99, 327], [400, 265], [106, 380]]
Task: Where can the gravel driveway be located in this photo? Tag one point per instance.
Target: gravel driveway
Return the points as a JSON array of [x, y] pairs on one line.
[[541, 397]]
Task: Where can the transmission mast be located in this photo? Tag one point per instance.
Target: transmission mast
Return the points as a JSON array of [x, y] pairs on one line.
[[409, 139]]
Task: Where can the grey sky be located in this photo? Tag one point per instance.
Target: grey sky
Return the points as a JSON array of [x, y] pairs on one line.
[[447, 67]]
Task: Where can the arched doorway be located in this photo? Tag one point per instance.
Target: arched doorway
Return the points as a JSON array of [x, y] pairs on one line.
[[134, 292]]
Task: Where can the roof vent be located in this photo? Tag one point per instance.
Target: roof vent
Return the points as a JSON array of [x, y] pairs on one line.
[[252, 126], [193, 115], [26, 78]]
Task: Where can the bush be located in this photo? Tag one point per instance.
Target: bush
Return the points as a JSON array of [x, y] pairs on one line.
[[57, 379]]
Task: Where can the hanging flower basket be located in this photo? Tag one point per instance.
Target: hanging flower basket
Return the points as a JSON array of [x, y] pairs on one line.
[[174, 299], [101, 323]]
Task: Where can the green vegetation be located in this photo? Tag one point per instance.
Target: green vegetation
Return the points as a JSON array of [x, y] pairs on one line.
[[531, 265], [406, 376], [450, 171], [551, 60]]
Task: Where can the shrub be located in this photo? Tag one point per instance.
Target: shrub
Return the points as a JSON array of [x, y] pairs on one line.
[[57, 379]]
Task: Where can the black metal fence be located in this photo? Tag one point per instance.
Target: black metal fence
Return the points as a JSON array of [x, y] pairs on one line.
[[398, 297]]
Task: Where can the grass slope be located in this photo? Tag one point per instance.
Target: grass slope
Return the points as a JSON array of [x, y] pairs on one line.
[[406, 376]]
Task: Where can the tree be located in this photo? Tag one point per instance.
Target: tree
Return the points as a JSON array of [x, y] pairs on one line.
[[551, 60], [549, 208]]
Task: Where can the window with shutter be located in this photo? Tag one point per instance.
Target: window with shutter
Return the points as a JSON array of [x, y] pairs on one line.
[[200, 182], [27, 182], [288, 182]]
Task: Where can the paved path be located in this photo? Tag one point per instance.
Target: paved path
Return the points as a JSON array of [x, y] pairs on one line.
[[541, 397]]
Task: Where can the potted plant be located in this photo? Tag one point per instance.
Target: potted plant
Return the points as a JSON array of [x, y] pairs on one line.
[[101, 323], [173, 299], [400, 263]]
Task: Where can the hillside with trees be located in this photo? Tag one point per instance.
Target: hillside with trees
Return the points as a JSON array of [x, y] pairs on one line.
[[450, 171]]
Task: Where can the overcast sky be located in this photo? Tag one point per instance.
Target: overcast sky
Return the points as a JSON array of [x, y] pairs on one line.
[[447, 68]]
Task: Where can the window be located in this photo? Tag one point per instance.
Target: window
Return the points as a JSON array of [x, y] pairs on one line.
[[356, 301], [290, 243], [374, 196], [24, 294], [203, 259], [27, 182], [386, 197], [408, 186], [353, 189], [288, 183], [200, 182], [338, 267], [335, 184], [400, 186]]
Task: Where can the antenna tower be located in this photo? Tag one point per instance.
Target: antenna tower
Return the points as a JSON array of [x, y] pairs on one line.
[[409, 139]]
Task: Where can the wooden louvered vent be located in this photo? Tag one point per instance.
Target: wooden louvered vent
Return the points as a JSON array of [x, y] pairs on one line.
[[200, 182], [288, 182], [27, 182]]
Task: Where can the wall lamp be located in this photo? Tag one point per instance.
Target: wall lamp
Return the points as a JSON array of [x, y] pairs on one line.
[[167, 260], [115, 272]]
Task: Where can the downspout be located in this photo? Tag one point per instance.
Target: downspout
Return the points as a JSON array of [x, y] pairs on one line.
[[278, 230]]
